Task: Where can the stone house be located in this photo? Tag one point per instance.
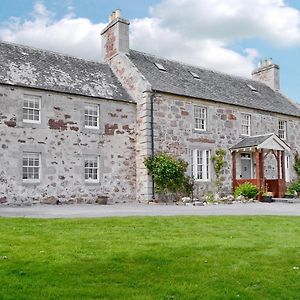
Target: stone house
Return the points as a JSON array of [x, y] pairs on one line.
[[76, 130]]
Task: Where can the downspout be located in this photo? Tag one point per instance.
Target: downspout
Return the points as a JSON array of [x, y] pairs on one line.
[[152, 137]]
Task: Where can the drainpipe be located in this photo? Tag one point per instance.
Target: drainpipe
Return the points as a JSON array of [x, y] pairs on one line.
[[152, 136]]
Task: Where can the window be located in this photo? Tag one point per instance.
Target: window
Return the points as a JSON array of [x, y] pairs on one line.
[[246, 123], [31, 167], [200, 114], [201, 165], [91, 169], [282, 129], [32, 109], [91, 116]]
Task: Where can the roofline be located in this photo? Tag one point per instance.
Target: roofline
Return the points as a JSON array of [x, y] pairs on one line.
[[280, 141], [234, 104], [68, 93], [51, 51]]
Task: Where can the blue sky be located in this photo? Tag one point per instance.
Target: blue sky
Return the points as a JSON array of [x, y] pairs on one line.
[[226, 35]]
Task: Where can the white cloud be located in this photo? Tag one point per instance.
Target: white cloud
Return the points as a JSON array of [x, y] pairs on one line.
[[228, 20], [199, 32], [70, 35]]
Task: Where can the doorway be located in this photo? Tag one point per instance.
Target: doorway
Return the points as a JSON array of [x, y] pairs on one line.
[[246, 166]]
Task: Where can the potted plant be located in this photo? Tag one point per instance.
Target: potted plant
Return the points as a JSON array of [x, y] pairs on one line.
[[267, 196]]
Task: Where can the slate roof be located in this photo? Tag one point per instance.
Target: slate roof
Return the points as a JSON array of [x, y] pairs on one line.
[[251, 141], [215, 86], [26, 66]]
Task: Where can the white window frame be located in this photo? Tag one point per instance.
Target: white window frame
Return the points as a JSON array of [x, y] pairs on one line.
[[200, 117], [34, 99], [282, 128], [92, 158], [246, 124], [31, 155], [97, 116], [201, 165], [287, 168]]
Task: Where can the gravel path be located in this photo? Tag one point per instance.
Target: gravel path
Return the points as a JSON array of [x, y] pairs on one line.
[[122, 210]]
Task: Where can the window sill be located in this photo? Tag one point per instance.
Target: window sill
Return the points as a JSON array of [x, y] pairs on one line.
[[90, 182], [31, 182]]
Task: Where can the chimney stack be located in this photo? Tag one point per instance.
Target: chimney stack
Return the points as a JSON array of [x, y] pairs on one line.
[[268, 73], [115, 36]]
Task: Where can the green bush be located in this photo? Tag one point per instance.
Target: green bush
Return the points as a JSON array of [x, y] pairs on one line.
[[294, 187], [247, 190], [169, 174]]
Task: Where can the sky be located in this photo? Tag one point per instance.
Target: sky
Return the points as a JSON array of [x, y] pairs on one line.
[[230, 36]]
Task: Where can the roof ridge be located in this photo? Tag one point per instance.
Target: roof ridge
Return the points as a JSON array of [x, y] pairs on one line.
[[50, 51]]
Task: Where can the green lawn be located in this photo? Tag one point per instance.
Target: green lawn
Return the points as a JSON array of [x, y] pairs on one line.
[[150, 258]]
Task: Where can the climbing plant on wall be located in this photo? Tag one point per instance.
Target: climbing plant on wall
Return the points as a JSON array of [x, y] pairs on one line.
[[218, 163]]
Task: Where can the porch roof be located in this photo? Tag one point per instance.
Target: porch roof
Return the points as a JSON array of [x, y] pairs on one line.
[[264, 141]]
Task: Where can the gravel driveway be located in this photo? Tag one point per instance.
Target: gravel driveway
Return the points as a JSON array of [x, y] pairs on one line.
[[123, 210]]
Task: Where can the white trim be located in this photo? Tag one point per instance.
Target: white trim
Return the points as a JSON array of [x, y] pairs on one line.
[[204, 168], [282, 130], [92, 157], [97, 106], [200, 115], [30, 180], [248, 125], [32, 98]]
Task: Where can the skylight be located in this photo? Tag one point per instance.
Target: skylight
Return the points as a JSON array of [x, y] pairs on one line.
[[160, 67], [252, 88], [195, 75]]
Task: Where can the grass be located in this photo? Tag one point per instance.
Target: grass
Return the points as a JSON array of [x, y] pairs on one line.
[[150, 258]]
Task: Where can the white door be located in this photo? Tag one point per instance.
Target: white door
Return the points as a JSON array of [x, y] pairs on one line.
[[246, 166]]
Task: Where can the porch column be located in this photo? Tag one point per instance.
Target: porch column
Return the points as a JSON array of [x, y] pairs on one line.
[[283, 165], [262, 168], [258, 168], [283, 183], [278, 164], [233, 155]]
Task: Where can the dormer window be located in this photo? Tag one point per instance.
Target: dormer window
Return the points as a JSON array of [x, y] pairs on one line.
[[195, 75], [160, 67]]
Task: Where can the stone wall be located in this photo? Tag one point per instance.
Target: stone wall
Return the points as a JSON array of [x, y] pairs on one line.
[[63, 142], [140, 90], [175, 133]]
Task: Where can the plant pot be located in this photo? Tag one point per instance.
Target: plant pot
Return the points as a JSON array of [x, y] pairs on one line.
[[289, 196], [267, 199]]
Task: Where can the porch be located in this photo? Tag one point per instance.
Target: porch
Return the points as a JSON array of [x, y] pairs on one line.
[[248, 163]]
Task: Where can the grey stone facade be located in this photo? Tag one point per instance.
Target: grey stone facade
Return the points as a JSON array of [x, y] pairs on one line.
[[175, 133], [143, 109], [63, 142]]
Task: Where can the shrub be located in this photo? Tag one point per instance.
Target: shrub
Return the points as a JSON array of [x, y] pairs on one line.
[[247, 190], [294, 187], [169, 174]]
